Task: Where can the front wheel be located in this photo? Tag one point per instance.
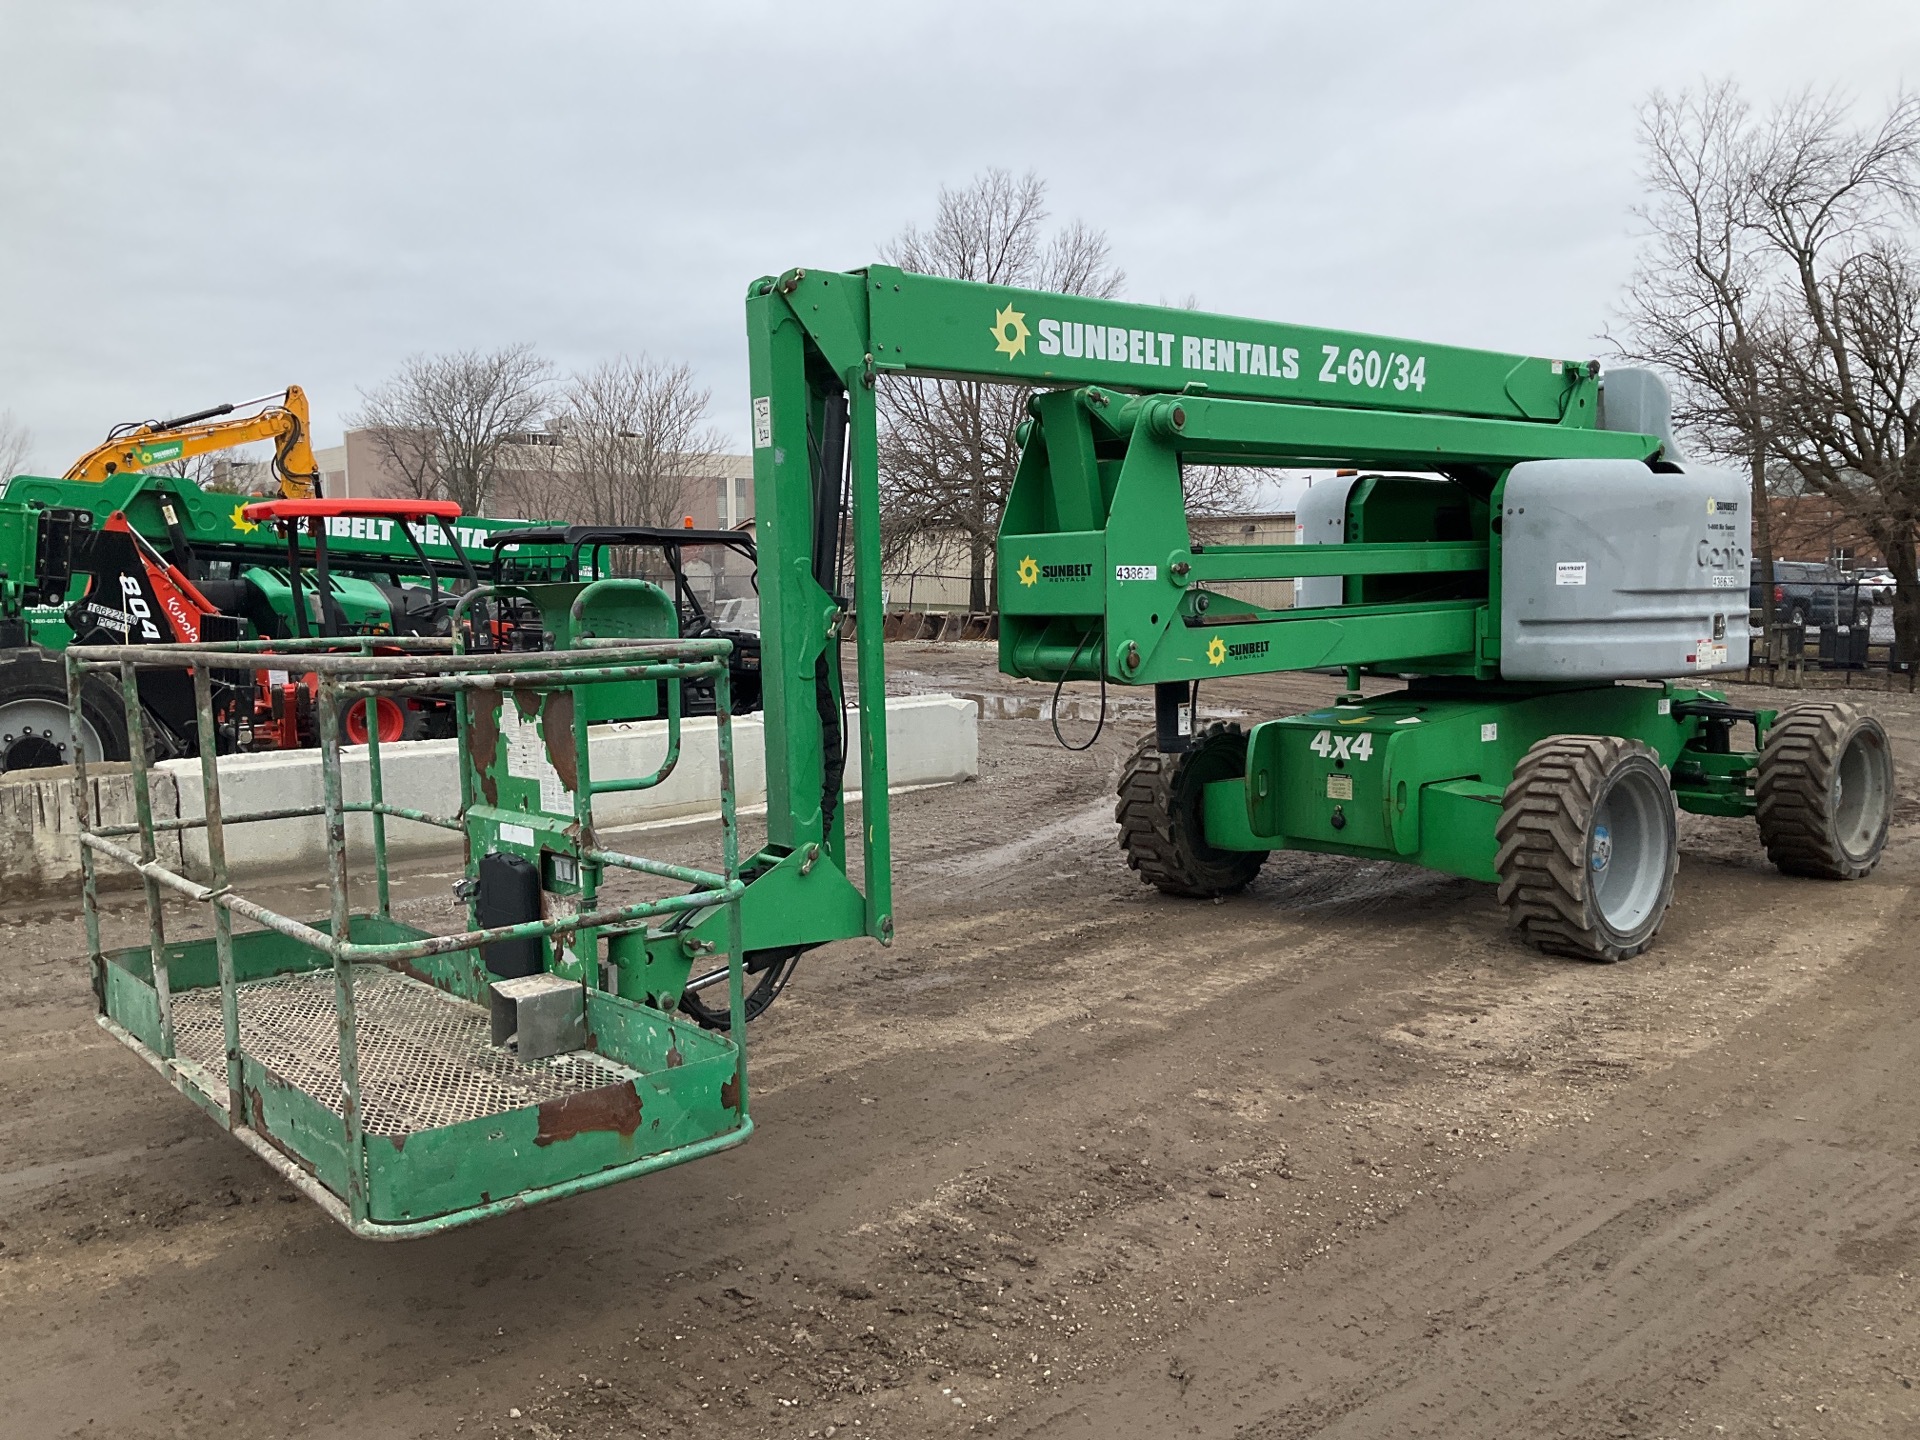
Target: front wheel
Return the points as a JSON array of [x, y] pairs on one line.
[[1588, 846], [1161, 815], [1824, 795]]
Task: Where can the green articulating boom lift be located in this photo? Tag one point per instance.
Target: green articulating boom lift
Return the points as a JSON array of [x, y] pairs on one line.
[[1518, 544], [1519, 553]]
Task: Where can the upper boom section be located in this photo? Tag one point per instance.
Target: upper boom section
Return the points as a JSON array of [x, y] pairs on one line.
[[934, 326]]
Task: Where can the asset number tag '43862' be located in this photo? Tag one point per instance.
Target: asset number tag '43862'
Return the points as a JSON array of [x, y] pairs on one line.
[[1329, 746]]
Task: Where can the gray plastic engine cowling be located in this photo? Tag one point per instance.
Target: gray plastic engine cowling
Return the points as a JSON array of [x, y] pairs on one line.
[[1612, 571]]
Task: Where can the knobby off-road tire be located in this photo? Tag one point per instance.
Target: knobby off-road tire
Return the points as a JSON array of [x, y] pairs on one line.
[[1161, 825], [35, 728], [1825, 791], [1587, 847]]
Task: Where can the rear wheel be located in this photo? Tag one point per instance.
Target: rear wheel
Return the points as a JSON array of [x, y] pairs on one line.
[[1825, 791], [398, 721], [1161, 818], [1588, 846], [36, 728]]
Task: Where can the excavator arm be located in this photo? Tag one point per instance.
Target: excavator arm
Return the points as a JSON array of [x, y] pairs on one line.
[[156, 442]]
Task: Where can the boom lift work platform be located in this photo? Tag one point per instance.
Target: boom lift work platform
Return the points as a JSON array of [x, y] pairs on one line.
[[1522, 553]]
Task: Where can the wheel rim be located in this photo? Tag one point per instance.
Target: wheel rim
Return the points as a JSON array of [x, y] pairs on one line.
[[393, 721], [36, 732], [1862, 786], [1627, 850]]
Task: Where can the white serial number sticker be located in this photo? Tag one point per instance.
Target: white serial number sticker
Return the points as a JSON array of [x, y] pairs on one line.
[[762, 422], [1329, 746], [1136, 572], [1570, 572]]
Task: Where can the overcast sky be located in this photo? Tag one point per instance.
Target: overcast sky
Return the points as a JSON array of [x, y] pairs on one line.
[[203, 201]]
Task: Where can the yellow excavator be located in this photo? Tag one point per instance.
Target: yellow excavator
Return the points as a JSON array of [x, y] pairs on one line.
[[141, 445]]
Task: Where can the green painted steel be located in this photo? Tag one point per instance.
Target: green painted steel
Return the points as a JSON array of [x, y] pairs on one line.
[[668, 1091], [954, 327], [1098, 575], [1418, 775], [212, 523]]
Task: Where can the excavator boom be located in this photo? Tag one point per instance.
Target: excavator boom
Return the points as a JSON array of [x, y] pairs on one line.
[[157, 442]]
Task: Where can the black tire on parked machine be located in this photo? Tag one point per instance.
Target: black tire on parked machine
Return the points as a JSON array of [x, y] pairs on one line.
[[1161, 825], [35, 726], [1825, 791], [1588, 846]]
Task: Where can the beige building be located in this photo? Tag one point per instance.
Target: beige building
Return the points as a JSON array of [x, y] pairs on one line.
[[1275, 529], [721, 500]]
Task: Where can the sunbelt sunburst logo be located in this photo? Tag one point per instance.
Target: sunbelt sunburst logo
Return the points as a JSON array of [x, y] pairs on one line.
[[1219, 651], [1010, 332], [1029, 571]]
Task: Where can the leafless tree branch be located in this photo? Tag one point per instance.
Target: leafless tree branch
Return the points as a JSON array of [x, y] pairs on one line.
[[630, 434], [16, 445], [440, 426], [947, 451], [1777, 286]]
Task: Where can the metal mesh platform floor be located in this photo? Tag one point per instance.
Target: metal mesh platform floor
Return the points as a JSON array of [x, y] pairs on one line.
[[426, 1057]]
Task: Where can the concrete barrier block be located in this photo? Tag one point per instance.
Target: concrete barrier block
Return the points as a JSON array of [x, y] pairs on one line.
[[931, 740], [420, 774], [39, 828]]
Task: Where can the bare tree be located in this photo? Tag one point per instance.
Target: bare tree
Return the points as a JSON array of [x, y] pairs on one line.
[[1841, 358], [441, 426], [631, 434], [16, 445], [1778, 286], [1696, 294], [237, 471], [947, 450]]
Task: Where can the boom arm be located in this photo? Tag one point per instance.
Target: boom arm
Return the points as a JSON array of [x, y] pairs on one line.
[[159, 441]]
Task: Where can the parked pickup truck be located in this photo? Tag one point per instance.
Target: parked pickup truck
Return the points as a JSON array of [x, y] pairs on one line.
[[1814, 592]]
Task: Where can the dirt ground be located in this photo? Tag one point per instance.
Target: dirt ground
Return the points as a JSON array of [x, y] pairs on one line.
[[1334, 1157]]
